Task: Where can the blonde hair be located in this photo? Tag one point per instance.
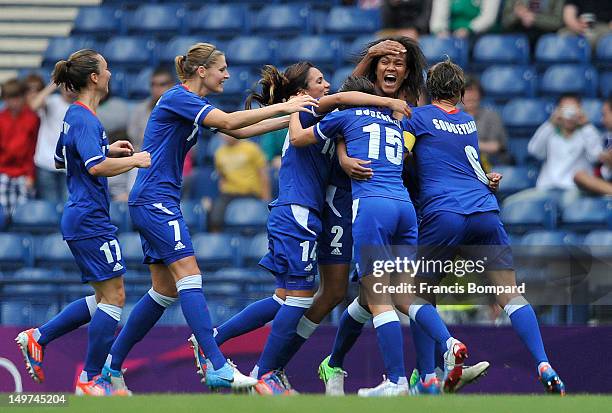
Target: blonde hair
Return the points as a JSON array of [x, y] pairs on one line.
[[200, 54]]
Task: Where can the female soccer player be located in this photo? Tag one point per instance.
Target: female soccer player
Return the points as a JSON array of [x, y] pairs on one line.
[[84, 152], [173, 128], [304, 177]]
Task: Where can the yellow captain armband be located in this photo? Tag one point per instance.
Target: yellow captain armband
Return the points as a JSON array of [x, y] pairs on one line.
[[409, 140]]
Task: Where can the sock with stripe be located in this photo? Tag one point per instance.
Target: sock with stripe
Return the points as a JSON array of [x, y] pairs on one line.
[[425, 348], [525, 323], [74, 315], [101, 334], [304, 330], [349, 329], [428, 318], [391, 344]]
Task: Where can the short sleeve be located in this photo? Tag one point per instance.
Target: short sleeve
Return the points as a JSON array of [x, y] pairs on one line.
[[59, 150], [189, 107], [87, 140], [308, 119], [409, 133], [330, 126]]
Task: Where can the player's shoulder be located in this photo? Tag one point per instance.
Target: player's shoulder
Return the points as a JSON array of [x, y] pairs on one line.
[[81, 116]]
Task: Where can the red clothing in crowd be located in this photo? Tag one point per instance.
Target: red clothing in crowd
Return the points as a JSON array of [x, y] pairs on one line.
[[18, 136]]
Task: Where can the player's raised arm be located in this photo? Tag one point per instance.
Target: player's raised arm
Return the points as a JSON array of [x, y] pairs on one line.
[[331, 102], [353, 167], [259, 128], [298, 136], [116, 166]]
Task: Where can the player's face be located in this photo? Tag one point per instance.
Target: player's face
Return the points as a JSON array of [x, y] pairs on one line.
[[317, 85], [103, 76], [216, 75], [390, 73], [471, 99]]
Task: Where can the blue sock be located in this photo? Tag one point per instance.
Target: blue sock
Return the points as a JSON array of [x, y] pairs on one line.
[[284, 328], [439, 355], [391, 344], [304, 330], [428, 318], [255, 315], [349, 329], [101, 335], [525, 324], [197, 316], [76, 314], [147, 311], [425, 348]]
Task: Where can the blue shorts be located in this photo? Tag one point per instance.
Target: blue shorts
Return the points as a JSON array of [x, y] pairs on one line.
[[383, 229], [293, 231], [443, 235], [163, 233], [336, 240], [98, 258]]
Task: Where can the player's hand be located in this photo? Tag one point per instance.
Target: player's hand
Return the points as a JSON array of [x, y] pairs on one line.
[[120, 149], [142, 159], [399, 105], [385, 48], [494, 178], [300, 103], [354, 168]]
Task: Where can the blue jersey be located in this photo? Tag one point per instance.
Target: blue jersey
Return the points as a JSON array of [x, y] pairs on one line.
[[304, 171], [173, 128], [447, 164], [83, 144], [370, 134]]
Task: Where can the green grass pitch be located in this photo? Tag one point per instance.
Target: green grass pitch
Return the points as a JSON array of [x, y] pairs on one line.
[[321, 404]]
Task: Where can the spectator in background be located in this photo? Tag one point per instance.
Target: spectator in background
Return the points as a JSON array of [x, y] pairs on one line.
[[243, 173], [533, 18], [18, 133], [566, 143], [589, 18], [51, 108], [34, 84], [161, 80], [113, 112], [405, 18], [492, 137], [601, 185], [272, 146], [463, 17]]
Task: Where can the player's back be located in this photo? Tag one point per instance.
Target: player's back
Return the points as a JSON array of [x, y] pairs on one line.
[[173, 128]]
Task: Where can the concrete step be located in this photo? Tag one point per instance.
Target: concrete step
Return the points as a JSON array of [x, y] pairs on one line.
[[19, 60], [35, 29], [7, 74], [46, 14], [23, 45], [54, 3]]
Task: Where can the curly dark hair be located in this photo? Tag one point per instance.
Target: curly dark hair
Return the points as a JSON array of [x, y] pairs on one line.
[[445, 80], [412, 86]]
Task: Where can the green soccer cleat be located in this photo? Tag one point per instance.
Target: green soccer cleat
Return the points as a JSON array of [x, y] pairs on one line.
[[333, 377]]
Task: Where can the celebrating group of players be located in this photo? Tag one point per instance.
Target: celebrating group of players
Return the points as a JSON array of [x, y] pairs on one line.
[[341, 190]]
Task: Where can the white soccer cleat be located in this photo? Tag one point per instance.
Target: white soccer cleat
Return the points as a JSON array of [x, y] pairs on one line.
[[116, 378], [333, 377], [453, 361], [471, 374], [385, 389]]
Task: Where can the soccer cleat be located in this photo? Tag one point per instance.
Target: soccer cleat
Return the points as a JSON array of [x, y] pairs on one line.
[[471, 374], [116, 379], [453, 360], [200, 358], [227, 376], [99, 386], [385, 389], [282, 375], [414, 378], [432, 387], [33, 354], [271, 384], [551, 380], [333, 377]]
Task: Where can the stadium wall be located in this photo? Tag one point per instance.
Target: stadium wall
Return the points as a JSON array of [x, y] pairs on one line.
[[163, 362]]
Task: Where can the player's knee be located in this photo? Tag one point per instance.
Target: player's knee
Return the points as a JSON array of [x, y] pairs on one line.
[[333, 295]]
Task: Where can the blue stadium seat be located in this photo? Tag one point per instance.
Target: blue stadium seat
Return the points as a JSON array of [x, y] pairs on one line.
[[60, 48], [568, 78], [118, 82], [194, 215], [546, 244], [51, 251], [33, 273], [285, 20], [246, 215], [251, 51], [352, 21], [497, 49], [138, 84], [605, 86], [352, 51], [522, 116], [156, 19], [518, 149], [506, 82], [120, 216], [322, 51], [205, 183], [604, 52], [592, 108], [20, 312], [599, 242], [3, 219], [15, 250], [340, 76], [220, 19], [588, 213], [238, 83], [37, 216], [520, 216], [552, 48], [129, 52], [214, 250], [436, 49], [98, 20], [254, 249], [239, 275], [178, 46], [515, 179], [131, 248]]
